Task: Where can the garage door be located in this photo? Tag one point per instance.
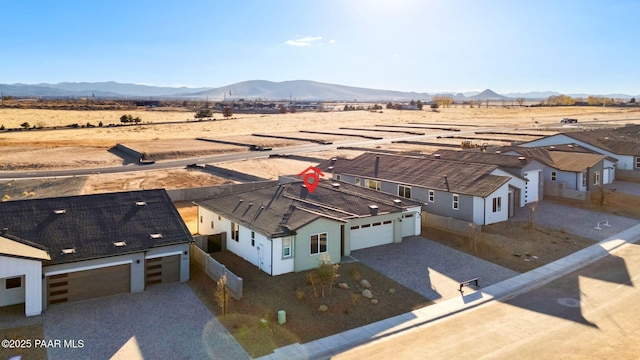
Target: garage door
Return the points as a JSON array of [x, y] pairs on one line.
[[408, 225], [89, 284], [369, 235], [162, 270]]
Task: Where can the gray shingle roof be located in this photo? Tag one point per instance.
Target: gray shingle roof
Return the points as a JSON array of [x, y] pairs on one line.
[[90, 224], [561, 160], [624, 140], [280, 210], [501, 160], [464, 178]]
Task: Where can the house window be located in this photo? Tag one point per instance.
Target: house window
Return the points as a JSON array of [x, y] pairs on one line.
[[286, 247], [338, 177], [234, 231], [432, 196], [404, 191], [584, 178], [596, 178], [200, 219], [456, 201], [318, 243], [372, 184], [637, 162], [219, 218], [497, 204], [358, 181], [13, 283], [553, 176], [253, 238]]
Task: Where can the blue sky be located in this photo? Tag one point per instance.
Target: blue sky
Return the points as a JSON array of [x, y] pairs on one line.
[[423, 45]]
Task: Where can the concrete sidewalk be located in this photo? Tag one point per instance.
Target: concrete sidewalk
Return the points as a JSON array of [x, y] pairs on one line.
[[327, 347]]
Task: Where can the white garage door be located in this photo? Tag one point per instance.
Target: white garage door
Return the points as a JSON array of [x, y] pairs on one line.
[[408, 225], [369, 235]]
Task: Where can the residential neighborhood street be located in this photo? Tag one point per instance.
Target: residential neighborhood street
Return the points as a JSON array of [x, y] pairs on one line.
[[588, 314]]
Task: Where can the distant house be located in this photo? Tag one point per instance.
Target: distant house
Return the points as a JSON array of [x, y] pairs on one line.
[[623, 144], [582, 171], [75, 248], [471, 192], [287, 228], [526, 184]]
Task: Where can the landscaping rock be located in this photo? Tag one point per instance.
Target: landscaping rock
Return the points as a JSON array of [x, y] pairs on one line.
[[343, 286], [365, 284], [374, 301], [367, 293], [323, 308], [392, 291]]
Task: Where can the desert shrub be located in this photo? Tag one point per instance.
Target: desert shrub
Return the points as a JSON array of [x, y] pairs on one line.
[[300, 295], [222, 295]]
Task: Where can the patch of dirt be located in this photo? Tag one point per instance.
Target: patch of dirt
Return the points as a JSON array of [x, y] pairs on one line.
[[512, 244], [265, 295], [41, 188], [142, 180]]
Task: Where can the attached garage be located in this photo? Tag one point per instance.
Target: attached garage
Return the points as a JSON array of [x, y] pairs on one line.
[[372, 234], [162, 269], [408, 225], [88, 284]]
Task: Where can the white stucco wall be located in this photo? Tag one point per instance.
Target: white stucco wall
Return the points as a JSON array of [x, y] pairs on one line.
[[30, 293]]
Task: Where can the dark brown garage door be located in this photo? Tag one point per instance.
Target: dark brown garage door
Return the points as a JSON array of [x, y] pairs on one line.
[[89, 284], [162, 270]]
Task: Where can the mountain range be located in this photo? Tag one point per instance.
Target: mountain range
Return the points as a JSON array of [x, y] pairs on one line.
[[300, 90]]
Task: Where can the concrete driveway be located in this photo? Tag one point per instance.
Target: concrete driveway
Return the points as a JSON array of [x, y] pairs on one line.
[[166, 321], [430, 269]]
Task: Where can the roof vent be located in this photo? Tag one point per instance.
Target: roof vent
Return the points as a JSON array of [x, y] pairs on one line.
[[155, 236], [498, 152], [335, 185], [330, 168], [570, 145], [437, 156], [552, 147], [141, 203], [373, 209], [522, 158], [68, 251], [119, 244], [60, 211], [397, 201]]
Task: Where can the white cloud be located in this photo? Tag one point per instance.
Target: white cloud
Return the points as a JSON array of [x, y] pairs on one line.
[[304, 41], [332, 41]]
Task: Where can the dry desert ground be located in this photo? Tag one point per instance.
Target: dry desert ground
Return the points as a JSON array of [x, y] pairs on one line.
[[174, 134]]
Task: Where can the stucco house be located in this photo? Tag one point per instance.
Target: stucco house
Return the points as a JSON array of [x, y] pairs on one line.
[[582, 171], [287, 227], [75, 248], [622, 144], [526, 185], [472, 192]]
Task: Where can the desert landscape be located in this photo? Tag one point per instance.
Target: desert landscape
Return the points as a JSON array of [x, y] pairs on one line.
[[173, 134]]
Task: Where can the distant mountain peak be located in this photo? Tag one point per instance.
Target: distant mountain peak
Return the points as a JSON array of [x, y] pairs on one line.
[[488, 94]]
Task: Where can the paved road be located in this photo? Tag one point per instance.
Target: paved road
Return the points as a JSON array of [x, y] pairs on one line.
[[219, 158], [588, 314]]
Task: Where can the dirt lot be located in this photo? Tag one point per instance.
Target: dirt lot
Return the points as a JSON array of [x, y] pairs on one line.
[[89, 147]]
